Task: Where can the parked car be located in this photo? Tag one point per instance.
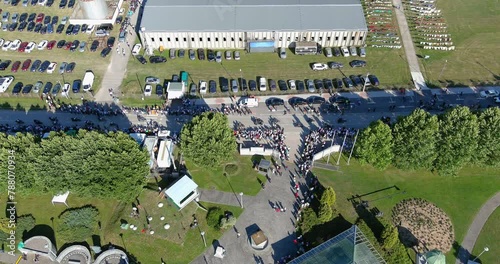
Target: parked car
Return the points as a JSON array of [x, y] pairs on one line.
[[38, 28], [111, 42], [193, 89], [62, 68], [344, 51], [55, 20], [357, 63], [60, 29], [218, 56], [52, 67], [66, 88], [47, 88], [272, 85], [236, 55], [297, 101], [4, 65], [70, 67], [77, 84], [44, 66], [63, 3], [5, 17], [64, 20], [181, 53], [56, 89], [319, 66], [15, 44], [6, 45], [22, 47], [336, 52], [22, 26], [31, 26], [157, 59], [38, 85], [27, 89], [262, 84], [39, 18], [234, 85], [74, 45], [335, 65], [224, 84], [228, 55], [201, 54], [152, 80], [26, 65], [47, 20], [356, 80], [243, 84], [328, 84], [159, 89], [210, 55], [348, 83], [373, 80], [68, 45], [362, 52], [282, 85], [15, 66], [69, 29], [148, 89], [141, 59], [319, 84], [328, 52], [275, 102], [61, 43], [192, 56], [203, 87], [31, 17], [172, 54], [17, 88], [310, 86], [212, 86], [488, 93], [51, 44], [137, 49], [353, 51], [94, 45], [292, 85], [283, 53], [105, 52], [42, 45], [316, 100]]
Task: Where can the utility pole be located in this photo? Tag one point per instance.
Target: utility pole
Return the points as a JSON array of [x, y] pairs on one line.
[[341, 149], [331, 145], [352, 148]]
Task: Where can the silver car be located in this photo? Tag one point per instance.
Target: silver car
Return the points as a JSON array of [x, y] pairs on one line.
[[234, 85], [310, 86], [62, 68], [218, 56], [328, 52], [193, 90]]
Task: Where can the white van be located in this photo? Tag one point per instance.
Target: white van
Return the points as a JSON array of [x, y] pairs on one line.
[[262, 84], [250, 102], [88, 81]]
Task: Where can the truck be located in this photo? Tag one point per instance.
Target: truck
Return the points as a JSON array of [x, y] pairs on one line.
[[88, 81], [306, 48]]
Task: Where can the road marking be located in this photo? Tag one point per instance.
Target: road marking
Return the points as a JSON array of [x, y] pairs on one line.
[[370, 101]]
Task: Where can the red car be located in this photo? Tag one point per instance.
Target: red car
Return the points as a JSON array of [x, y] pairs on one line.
[[68, 45], [22, 47], [51, 44], [26, 65], [15, 66], [39, 18]]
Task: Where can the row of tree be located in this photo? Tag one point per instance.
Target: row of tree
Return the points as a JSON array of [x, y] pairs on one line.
[[90, 164], [444, 143]]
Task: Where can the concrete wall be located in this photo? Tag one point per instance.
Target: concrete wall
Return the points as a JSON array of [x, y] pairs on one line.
[[239, 40], [255, 151]]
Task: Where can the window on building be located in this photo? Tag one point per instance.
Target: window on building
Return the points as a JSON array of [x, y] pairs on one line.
[[360, 38], [288, 38], [313, 39], [345, 38], [352, 38], [241, 39], [265, 38], [224, 39], [304, 38], [328, 38], [281, 38], [208, 39], [320, 38], [296, 38], [168, 39], [201, 39], [185, 39], [161, 39], [177, 39], [153, 39], [216, 39], [336, 38], [232, 39], [192, 39]]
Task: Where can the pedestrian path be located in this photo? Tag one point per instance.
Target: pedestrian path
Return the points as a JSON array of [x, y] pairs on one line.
[[227, 198], [475, 228]]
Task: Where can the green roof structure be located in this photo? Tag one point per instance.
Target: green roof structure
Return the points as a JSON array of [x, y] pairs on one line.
[[349, 247]]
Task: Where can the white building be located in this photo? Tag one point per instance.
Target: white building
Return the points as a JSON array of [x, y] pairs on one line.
[[182, 192], [261, 24]]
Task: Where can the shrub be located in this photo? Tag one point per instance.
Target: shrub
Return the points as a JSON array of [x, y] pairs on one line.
[[325, 213], [227, 222], [309, 220], [214, 216], [231, 169], [24, 223], [78, 223]]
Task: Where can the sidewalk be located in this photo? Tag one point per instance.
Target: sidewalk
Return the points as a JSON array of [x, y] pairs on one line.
[[227, 198]]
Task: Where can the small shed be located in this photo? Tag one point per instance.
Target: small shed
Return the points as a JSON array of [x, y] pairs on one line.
[[182, 192], [175, 90], [264, 166]]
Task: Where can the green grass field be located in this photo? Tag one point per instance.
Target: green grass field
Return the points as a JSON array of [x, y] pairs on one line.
[[388, 65], [489, 238], [84, 60], [460, 197], [474, 30]]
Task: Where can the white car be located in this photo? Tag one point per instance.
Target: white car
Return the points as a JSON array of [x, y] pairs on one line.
[[319, 66], [65, 89], [15, 44], [353, 51], [489, 93], [236, 55], [282, 53], [203, 87], [362, 52], [218, 56], [292, 85], [30, 47], [42, 45], [5, 82], [137, 48], [344, 51], [262, 84], [52, 67], [1, 41], [228, 55], [90, 29], [6, 45], [147, 90], [64, 20]]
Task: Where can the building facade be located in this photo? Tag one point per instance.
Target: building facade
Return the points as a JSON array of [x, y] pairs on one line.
[[209, 24]]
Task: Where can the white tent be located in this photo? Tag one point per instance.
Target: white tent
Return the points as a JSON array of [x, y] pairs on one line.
[[220, 252], [60, 198]]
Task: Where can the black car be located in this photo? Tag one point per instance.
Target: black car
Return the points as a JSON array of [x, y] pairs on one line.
[[348, 83], [49, 3], [181, 53], [27, 88], [210, 55], [70, 67], [63, 3], [4, 65], [22, 26], [159, 89], [69, 30], [340, 100], [336, 52], [34, 2], [31, 17], [157, 59], [38, 27], [373, 80], [15, 2], [23, 17], [71, 3], [44, 66], [356, 80], [275, 102], [252, 85], [111, 42], [74, 46], [272, 85], [105, 52], [17, 88], [43, 30], [357, 63], [338, 83], [212, 86], [224, 84], [316, 100], [31, 26], [60, 29], [141, 59], [328, 84], [84, 28], [13, 26], [35, 65], [55, 20], [47, 20], [201, 54], [76, 30], [94, 45], [61, 43], [47, 88], [297, 101], [300, 85], [319, 84], [77, 84], [243, 83], [282, 85]]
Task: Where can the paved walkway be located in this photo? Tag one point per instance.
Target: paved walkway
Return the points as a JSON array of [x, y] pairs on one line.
[[411, 56], [475, 228], [227, 198]]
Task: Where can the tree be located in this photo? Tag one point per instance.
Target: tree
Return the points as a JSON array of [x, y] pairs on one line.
[[309, 220], [78, 223], [488, 151], [415, 140], [375, 145], [325, 213], [24, 223], [389, 237], [459, 132], [328, 197], [214, 216], [208, 140]]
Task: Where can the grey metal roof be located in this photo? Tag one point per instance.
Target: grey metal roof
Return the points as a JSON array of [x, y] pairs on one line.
[[252, 16]]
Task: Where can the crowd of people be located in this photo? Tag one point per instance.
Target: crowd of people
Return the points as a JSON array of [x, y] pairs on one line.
[[273, 136]]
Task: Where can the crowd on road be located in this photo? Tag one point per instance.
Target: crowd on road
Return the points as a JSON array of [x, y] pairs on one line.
[[273, 136]]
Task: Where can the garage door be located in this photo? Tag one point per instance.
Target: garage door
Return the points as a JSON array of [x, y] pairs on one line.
[[261, 46]]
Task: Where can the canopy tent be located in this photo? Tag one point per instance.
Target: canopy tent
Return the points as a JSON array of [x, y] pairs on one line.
[[139, 137], [60, 198], [220, 252], [182, 192]]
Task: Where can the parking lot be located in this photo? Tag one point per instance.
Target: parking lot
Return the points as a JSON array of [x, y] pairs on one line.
[[387, 65], [82, 57]]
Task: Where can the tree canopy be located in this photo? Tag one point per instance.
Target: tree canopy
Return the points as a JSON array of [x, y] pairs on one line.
[[415, 138], [208, 140], [488, 151], [375, 145], [90, 164], [458, 141]]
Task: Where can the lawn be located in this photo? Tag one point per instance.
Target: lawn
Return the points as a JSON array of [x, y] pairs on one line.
[[389, 65], [84, 60], [474, 30], [460, 197], [489, 238], [245, 179]]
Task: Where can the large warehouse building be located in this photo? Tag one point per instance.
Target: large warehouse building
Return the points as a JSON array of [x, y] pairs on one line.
[[243, 24]]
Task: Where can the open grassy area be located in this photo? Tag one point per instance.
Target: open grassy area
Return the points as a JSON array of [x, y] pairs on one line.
[[460, 197], [245, 179], [489, 238], [84, 60], [475, 33], [389, 65]]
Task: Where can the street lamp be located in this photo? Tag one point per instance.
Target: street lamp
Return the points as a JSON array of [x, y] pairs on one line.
[[486, 249], [203, 236], [241, 199]]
